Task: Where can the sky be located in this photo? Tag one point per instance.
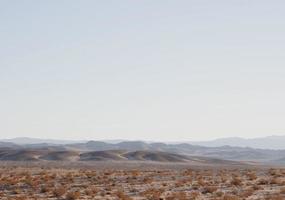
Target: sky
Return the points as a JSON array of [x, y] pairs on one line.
[[142, 70]]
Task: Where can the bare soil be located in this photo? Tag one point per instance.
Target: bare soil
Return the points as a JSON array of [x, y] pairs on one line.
[[138, 180]]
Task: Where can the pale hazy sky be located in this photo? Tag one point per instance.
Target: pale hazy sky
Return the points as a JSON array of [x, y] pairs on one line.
[[152, 70]]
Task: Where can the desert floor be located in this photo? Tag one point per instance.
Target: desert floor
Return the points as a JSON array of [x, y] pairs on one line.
[[153, 181]]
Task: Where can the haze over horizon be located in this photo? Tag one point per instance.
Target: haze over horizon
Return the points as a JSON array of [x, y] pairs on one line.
[[142, 70], [59, 140]]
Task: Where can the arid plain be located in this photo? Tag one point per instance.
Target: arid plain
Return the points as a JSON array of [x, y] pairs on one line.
[[138, 180]]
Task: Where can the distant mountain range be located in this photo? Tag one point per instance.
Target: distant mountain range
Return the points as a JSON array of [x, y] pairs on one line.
[[133, 150], [270, 142]]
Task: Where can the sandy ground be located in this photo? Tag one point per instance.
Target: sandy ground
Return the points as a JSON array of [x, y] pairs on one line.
[[138, 180]]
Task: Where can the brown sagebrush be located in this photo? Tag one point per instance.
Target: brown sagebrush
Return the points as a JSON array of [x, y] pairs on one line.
[[59, 192], [73, 195]]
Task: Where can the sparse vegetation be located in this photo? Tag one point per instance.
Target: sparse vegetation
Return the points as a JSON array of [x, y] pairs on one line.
[[21, 183]]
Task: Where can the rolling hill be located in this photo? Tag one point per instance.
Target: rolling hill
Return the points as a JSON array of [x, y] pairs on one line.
[[99, 150], [108, 155]]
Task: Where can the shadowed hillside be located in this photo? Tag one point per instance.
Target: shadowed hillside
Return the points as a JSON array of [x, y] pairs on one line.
[[108, 155], [98, 150]]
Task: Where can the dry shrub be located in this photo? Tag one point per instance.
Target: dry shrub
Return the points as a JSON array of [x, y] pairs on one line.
[[236, 181], [108, 173], [209, 189], [20, 198], [247, 192], [219, 194], [195, 186], [45, 189], [59, 192], [73, 195], [273, 172], [102, 193], [230, 197], [182, 182], [256, 187], [274, 197], [91, 191], [147, 180], [178, 196], [164, 184], [274, 181], [282, 183], [135, 173], [187, 172], [16, 191], [194, 195], [122, 196], [201, 181], [251, 176], [224, 178], [282, 190], [152, 194], [262, 181]]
